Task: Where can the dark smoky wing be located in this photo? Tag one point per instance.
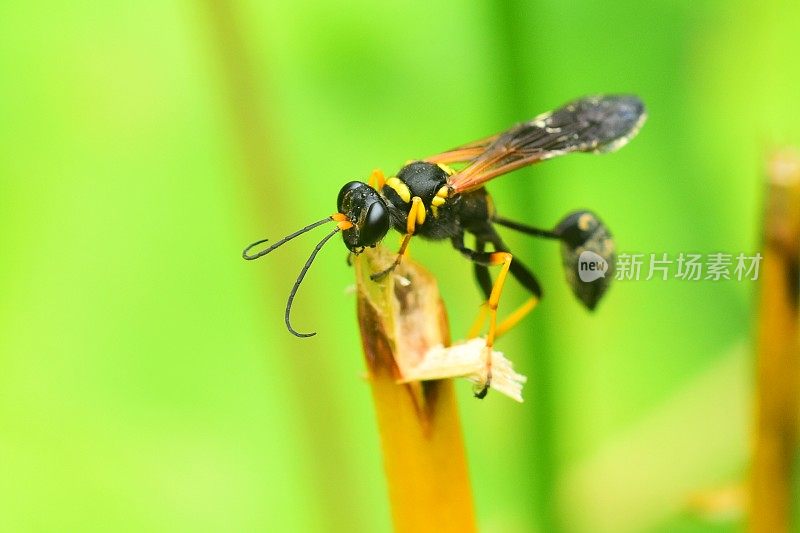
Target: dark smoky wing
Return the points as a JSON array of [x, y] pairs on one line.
[[597, 123], [591, 124]]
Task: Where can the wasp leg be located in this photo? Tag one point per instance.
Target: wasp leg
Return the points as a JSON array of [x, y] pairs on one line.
[[382, 274], [479, 257], [487, 259], [482, 271], [376, 179], [504, 259], [483, 260], [529, 281], [484, 282], [416, 217], [525, 278]]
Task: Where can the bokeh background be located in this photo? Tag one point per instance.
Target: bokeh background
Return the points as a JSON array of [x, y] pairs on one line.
[[147, 382]]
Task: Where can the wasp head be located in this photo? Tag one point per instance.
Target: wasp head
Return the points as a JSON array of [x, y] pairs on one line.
[[367, 211]]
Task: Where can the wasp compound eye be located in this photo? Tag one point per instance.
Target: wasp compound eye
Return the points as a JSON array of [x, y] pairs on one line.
[[363, 206], [375, 224], [343, 193]]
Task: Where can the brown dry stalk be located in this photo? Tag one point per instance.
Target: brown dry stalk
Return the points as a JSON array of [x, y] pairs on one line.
[[778, 352], [421, 440]]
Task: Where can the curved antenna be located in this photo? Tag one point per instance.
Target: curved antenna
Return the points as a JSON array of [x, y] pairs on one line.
[[282, 241], [300, 279]]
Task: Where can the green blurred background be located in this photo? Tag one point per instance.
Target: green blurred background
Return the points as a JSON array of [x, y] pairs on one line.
[[147, 382]]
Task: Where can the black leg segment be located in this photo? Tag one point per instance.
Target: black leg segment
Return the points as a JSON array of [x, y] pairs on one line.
[[481, 260], [482, 272]]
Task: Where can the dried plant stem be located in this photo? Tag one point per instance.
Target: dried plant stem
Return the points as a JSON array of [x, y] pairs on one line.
[[421, 438], [778, 352]]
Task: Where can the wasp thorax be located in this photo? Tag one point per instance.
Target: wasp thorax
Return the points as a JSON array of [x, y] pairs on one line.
[[423, 179], [364, 207]]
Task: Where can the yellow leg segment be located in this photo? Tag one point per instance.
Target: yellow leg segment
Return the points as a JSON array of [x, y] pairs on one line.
[[377, 180], [513, 319], [475, 329], [416, 217], [504, 259], [490, 308]]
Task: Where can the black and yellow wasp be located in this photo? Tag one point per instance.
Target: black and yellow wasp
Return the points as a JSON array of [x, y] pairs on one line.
[[430, 199]]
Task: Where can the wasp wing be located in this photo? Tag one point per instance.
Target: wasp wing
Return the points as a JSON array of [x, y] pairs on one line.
[[464, 153], [592, 124]]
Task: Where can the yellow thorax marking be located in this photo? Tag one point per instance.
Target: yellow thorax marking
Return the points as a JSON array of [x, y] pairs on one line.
[[447, 170], [441, 195], [400, 188], [440, 199]]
